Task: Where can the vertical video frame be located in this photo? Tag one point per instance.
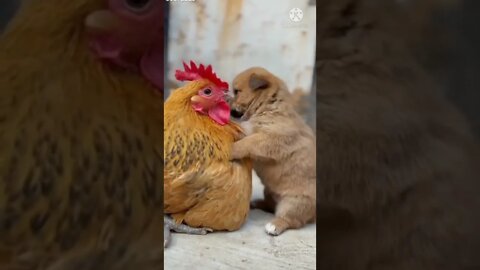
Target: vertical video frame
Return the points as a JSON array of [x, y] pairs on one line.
[[240, 120]]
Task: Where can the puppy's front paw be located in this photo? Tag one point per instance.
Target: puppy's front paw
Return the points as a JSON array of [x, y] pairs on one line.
[[238, 152]]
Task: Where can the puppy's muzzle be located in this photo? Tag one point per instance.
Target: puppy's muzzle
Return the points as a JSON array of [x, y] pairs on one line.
[[236, 113]]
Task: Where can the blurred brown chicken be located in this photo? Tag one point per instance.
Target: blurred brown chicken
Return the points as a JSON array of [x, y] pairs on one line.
[[81, 136]]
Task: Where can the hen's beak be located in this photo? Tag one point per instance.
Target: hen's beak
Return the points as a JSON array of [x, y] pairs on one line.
[[102, 21]]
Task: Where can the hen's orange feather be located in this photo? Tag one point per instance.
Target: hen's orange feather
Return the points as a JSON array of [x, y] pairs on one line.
[[202, 187]]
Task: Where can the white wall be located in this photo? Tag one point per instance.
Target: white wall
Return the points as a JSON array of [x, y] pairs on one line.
[[234, 35]]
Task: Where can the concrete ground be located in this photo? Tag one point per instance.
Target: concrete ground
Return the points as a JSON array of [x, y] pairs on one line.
[[248, 248]]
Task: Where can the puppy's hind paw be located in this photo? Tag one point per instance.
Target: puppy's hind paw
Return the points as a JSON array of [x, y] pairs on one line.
[[276, 227], [271, 229]]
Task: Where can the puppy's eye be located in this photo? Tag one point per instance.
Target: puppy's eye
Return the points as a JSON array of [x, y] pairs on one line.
[[207, 92], [235, 91], [137, 5]]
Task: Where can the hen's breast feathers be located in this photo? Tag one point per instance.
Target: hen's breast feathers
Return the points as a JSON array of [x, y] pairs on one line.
[[191, 139], [202, 187]]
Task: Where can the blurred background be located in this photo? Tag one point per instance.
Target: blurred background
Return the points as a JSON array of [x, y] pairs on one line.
[[451, 51], [7, 9]]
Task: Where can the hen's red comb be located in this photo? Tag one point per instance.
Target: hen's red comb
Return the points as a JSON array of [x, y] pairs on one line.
[[193, 72]]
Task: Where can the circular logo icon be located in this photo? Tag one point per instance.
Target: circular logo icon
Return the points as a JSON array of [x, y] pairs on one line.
[[296, 14]]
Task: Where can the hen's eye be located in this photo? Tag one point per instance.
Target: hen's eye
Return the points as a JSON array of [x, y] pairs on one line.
[[207, 92], [137, 5]]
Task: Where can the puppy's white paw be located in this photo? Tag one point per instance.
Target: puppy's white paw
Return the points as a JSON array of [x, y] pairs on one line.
[[247, 127], [271, 229]]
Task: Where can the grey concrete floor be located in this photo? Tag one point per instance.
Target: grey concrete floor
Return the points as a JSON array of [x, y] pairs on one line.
[[248, 248]]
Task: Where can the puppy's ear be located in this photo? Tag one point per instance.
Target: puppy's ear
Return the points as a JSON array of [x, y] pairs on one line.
[[257, 82]]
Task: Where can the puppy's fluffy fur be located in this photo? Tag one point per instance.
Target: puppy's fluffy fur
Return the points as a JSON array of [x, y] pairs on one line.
[[281, 145]]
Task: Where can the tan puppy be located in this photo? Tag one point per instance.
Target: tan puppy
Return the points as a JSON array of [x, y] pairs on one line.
[[281, 145]]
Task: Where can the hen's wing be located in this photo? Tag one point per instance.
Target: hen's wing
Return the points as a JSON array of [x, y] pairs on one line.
[[216, 197]]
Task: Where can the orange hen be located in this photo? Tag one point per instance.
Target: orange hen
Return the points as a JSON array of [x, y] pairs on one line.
[[202, 187]]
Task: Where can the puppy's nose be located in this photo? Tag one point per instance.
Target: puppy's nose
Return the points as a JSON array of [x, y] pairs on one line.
[[236, 114]]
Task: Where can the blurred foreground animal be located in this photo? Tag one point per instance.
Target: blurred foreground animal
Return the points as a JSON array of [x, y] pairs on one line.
[[281, 145], [80, 136], [202, 187], [398, 166]]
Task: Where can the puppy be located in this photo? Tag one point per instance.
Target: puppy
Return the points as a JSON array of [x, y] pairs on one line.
[[281, 145]]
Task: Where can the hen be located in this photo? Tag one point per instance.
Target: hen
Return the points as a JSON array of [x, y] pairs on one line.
[[202, 187], [81, 140]]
